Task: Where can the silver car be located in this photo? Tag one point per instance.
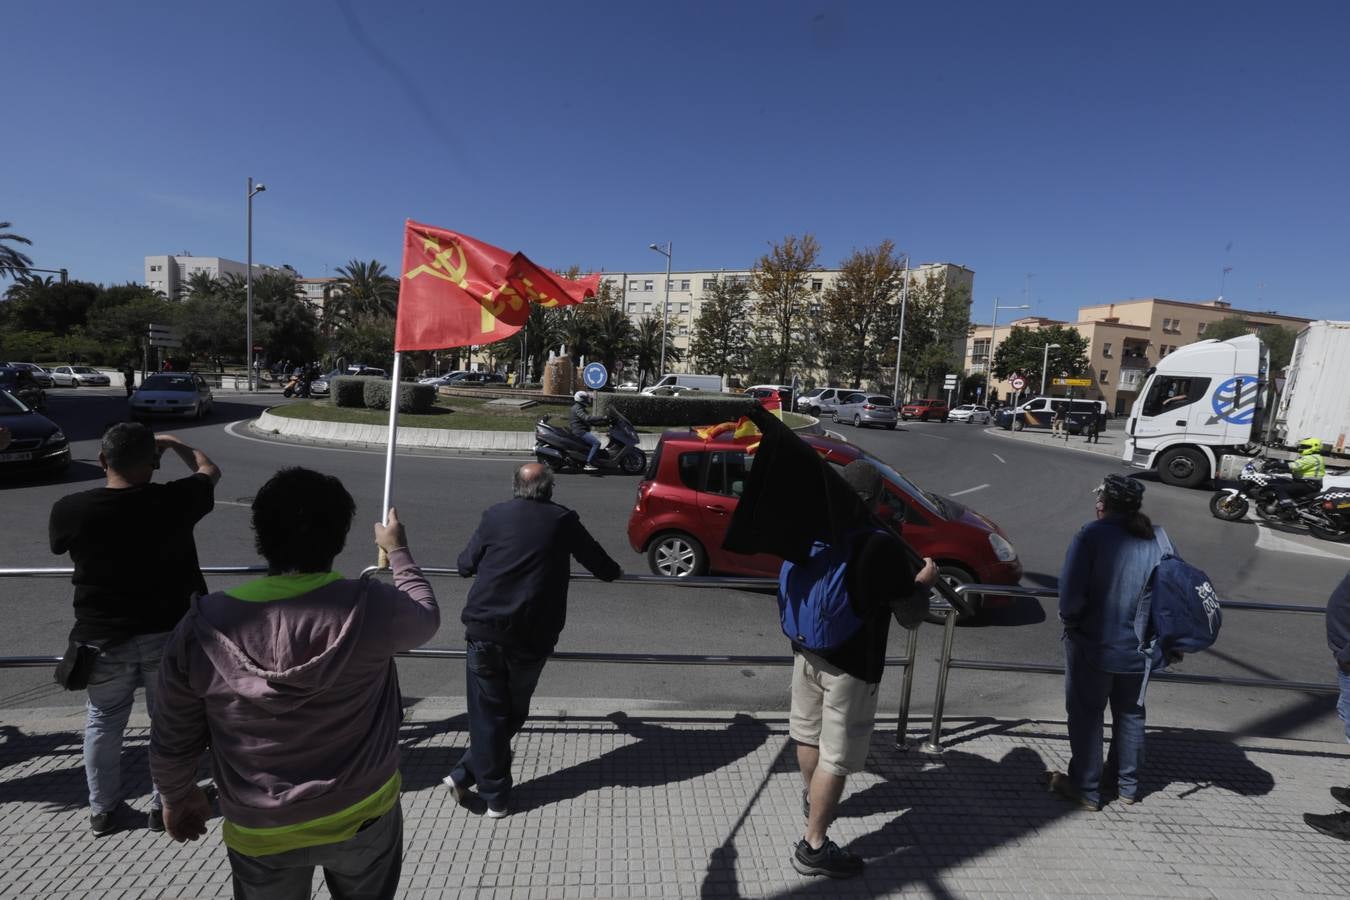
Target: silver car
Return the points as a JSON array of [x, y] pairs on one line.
[[866, 409], [78, 376], [180, 394], [970, 413]]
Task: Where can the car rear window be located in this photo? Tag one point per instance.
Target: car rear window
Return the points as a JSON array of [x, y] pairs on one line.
[[169, 383], [879, 400]]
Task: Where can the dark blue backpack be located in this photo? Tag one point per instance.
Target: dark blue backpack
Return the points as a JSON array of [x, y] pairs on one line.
[[813, 601], [1178, 609]]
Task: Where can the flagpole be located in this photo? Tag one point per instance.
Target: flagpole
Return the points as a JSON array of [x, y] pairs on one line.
[[389, 449]]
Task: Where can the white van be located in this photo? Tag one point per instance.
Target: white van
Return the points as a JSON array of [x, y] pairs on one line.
[[709, 383]]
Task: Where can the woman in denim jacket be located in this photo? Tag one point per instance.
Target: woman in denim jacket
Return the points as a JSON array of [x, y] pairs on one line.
[[1105, 570]]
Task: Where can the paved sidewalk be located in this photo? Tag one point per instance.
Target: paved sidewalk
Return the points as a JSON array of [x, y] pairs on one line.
[[709, 806], [1111, 442]]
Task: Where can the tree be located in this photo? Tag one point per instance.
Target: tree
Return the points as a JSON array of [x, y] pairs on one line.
[[858, 321], [212, 325], [58, 308], [647, 348], [612, 331], [543, 332], [363, 289], [27, 286], [1021, 352], [119, 317], [781, 283], [721, 341], [12, 261], [369, 339], [199, 284], [1279, 339], [285, 324], [577, 326], [937, 316]]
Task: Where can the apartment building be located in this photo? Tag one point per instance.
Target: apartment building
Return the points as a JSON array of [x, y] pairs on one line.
[[316, 292], [168, 274], [1125, 339], [644, 293]]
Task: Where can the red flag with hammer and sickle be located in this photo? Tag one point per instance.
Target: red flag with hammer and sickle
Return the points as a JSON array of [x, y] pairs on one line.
[[457, 291]]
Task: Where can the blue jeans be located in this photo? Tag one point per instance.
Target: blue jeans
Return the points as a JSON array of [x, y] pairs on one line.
[[594, 441], [499, 684], [1087, 691], [366, 866], [1343, 705], [118, 671]]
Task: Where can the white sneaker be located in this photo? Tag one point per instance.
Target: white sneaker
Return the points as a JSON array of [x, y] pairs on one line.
[[590, 468], [498, 812]]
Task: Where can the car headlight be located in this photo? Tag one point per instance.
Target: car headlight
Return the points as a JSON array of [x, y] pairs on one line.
[[56, 437], [1002, 549]]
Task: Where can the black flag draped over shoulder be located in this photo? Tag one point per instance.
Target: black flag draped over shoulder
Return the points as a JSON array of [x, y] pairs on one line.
[[792, 497]]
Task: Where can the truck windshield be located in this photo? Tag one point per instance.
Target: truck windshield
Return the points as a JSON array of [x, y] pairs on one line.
[[1171, 392]]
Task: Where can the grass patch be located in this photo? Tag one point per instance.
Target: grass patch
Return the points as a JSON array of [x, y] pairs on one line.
[[464, 413]]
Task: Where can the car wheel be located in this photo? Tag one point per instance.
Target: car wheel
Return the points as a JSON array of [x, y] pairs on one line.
[[835, 416], [813, 411], [677, 555], [1182, 467], [857, 421], [955, 575], [1019, 425]]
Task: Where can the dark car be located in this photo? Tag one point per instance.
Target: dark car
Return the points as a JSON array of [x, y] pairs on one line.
[[474, 379], [685, 503], [22, 384], [36, 443]]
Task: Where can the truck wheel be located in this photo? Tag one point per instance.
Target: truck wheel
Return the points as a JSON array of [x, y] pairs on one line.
[[1182, 467]]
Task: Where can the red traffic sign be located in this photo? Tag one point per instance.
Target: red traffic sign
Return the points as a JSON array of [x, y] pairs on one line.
[[257, 348], [1018, 382]]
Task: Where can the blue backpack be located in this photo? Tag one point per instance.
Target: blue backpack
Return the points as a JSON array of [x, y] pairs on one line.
[[813, 601], [1178, 610]]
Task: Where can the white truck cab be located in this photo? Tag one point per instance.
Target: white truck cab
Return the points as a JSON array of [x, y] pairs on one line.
[[1199, 402]]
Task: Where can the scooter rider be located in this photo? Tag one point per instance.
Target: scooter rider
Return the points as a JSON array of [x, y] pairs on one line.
[[1308, 471], [581, 426]]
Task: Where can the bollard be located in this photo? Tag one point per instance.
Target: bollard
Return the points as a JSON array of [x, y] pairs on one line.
[[934, 742], [911, 654]]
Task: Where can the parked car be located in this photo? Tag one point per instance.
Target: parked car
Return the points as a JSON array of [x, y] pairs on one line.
[[866, 409], [711, 383], [821, 401], [181, 394], [366, 371], [322, 385], [925, 410], [22, 384], [1039, 412], [439, 380], [763, 391], [41, 375], [971, 414], [628, 387], [670, 390], [474, 379], [79, 376], [685, 504], [36, 443]]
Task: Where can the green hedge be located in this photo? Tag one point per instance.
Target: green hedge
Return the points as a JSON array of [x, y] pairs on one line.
[[349, 390], [411, 397], [644, 409]]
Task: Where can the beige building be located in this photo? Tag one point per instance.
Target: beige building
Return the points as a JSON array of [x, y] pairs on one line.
[[317, 291], [1124, 338], [643, 293], [167, 274]]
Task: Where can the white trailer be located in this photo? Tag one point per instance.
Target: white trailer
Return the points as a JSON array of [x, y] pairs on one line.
[[1315, 401]]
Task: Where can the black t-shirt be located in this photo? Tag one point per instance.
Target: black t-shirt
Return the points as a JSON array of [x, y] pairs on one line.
[[135, 559], [879, 572]]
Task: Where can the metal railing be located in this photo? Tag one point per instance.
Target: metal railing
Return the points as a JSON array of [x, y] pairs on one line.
[[906, 662], [946, 662]]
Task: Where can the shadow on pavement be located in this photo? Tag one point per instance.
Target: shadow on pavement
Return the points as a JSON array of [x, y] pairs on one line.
[[994, 802]]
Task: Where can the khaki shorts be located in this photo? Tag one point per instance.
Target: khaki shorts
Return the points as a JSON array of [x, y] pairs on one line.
[[834, 711]]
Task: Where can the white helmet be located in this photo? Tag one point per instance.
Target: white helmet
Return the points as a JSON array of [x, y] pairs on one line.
[[581, 397]]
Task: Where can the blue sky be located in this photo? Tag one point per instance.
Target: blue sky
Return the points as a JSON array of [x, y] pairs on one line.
[[1113, 150]]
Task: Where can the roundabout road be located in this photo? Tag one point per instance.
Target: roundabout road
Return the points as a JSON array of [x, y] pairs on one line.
[[1039, 495]]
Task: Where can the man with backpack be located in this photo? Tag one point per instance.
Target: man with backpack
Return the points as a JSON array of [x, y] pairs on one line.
[[836, 609], [1337, 824]]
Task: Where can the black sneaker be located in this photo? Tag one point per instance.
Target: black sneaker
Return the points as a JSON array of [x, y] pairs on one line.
[[830, 860], [155, 820], [1335, 825], [105, 823], [1341, 795]]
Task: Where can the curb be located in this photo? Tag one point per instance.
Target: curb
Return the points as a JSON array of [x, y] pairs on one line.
[[1062, 445]]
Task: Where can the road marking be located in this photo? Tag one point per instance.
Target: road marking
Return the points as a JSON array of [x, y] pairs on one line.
[[230, 430], [978, 487], [1000, 459], [934, 437], [1267, 539], [233, 503]]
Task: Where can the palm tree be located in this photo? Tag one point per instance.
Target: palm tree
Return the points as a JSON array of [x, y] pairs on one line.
[[612, 338], [364, 289], [647, 347], [199, 286], [543, 332], [12, 262], [28, 287]]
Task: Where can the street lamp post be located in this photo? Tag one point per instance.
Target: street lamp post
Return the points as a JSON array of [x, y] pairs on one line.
[[665, 304], [248, 328], [993, 333], [900, 340], [1045, 363]]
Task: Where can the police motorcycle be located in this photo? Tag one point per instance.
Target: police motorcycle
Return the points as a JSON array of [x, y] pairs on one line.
[[561, 450], [1325, 513]]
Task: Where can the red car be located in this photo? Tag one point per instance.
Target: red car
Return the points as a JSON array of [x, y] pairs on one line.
[[923, 410], [684, 507]]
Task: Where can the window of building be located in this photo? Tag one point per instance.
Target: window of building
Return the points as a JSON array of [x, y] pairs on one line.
[[646, 307], [684, 309], [709, 284], [684, 284], [1201, 329], [1106, 350], [1102, 377], [979, 348], [647, 285], [817, 284], [633, 285], [632, 307]]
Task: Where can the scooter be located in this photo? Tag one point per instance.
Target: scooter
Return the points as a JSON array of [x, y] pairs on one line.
[[297, 385], [1326, 513], [561, 450]]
